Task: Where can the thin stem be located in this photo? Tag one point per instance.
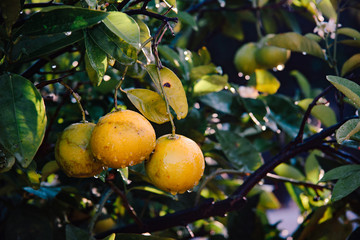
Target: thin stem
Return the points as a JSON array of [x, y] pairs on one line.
[[103, 200], [128, 207], [152, 15], [300, 134], [335, 40], [258, 18], [118, 86], [77, 98], [57, 80]]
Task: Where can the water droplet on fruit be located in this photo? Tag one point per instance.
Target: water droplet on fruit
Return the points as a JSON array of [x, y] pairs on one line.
[[96, 176], [189, 190], [304, 53]]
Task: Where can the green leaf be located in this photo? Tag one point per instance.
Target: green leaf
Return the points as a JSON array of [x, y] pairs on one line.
[[170, 55], [124, 27], [10, 10], [312, 167], [75, 233], [172, 4], [303, 83], [186, 18], [152, 190], [327, 9], [173, 88], [266, 82], [340, 172], [288, 171], [239, 151], [144, 36], [268, 200], [111, 237], [33, 47], [285, 113], [95, 61], [210, 83], [324, 113], [347, 87], [114, 46], [297, 43], [124, 173], [345, 186], [350, 32], [351, 64], [22, 117], [199, 71], [352, 43], [220, 101], [58, 19], [348, 130], [150, 104]]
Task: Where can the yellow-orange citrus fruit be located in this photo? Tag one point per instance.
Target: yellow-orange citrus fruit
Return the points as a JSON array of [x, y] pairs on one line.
[[122, 138], [103, 225], [271, 56], [176, 165], [245, 59], [73, 154]]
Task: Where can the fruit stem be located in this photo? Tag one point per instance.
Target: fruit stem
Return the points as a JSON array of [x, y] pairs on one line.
[[118, 86], [167, 103], [77, 98], [258, 18]]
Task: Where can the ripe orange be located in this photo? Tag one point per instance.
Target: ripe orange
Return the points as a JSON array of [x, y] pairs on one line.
[[122, 138], [176, 165], [73, 154], [245, 59]]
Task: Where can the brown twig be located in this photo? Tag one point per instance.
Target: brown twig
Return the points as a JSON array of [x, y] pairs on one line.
[[127, 205]]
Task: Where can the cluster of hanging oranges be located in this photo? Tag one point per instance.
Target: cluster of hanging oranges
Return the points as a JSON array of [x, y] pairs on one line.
[[173, 163]]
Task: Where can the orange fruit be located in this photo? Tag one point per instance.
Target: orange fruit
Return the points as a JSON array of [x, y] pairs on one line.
[[73, 154], [122, 138], [176, 165]]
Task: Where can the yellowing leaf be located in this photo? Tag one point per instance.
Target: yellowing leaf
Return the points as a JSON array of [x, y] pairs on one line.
[[351, 64], [324, 113], [286, 170], [266, 82], [49, 168], [173, 89], [150, 104]]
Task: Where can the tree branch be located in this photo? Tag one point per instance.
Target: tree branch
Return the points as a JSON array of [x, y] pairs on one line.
[[151, 14], [122, 4], [236, 201]]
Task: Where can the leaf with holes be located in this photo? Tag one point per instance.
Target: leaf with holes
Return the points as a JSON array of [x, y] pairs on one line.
[[22, 117], [173, 88], [150, 104]]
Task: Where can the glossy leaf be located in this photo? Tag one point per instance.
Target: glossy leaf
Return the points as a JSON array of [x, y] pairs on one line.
[[284, 113], [297, 43], [347, 87], [351, 64], [239, 151], [114, 46], [345, 186], [288, 171], [173, 89], [22, 117], [340, 172], [10, 10], [95, 61], [220, 101], [210, 83], [350, 32], [266, 82], [124, 27], [144, 36], [51, 20], [324, 113], [198, 72], [349, 130], [150, 104], [32, 47]]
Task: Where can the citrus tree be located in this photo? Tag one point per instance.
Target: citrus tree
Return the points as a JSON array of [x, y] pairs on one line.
[[142, 119]]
